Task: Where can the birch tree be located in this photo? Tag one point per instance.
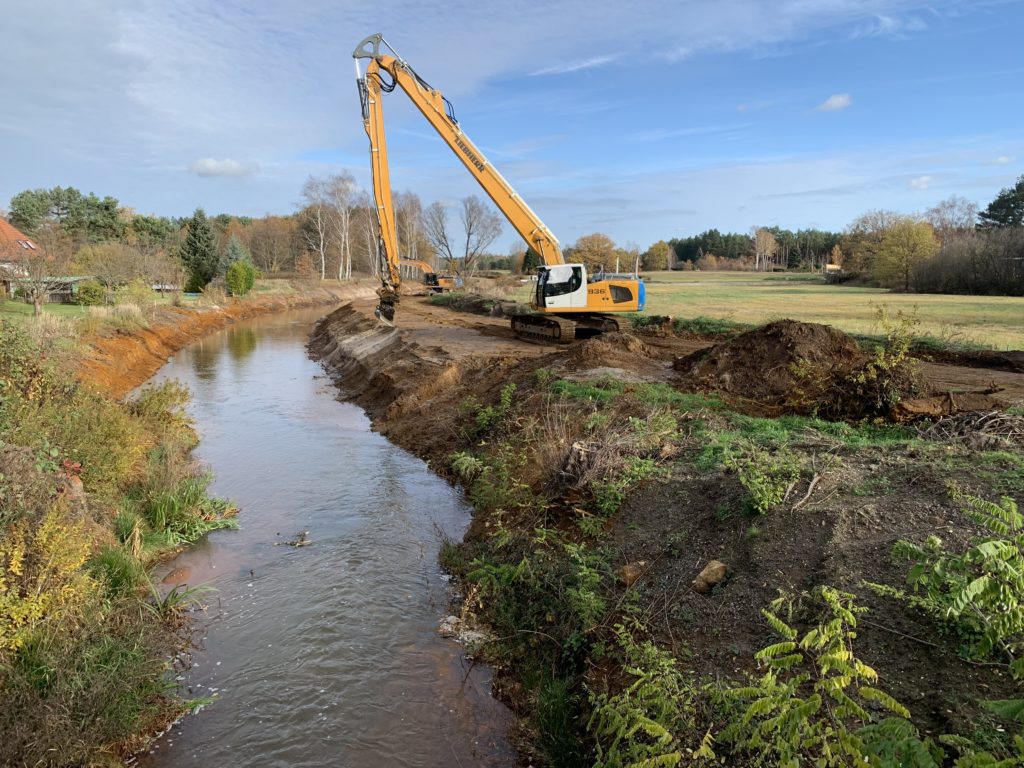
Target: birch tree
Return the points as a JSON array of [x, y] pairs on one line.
[[765, 248], [409, 219], [316, 230], [341, 192]]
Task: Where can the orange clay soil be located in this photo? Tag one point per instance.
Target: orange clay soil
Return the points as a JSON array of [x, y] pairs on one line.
[[117, 361]]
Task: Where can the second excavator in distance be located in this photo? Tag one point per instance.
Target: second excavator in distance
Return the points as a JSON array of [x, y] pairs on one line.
[[568, 297]]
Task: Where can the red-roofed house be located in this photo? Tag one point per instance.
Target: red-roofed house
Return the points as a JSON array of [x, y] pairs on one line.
[[12, 242], [12, 236]]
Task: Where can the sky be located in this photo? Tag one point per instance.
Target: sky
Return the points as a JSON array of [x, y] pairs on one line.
[[644, 120]]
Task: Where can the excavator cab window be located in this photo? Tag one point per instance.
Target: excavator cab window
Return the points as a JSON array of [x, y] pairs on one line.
[[561, 279]]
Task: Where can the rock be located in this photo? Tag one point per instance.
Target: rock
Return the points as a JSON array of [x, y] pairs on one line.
[[178, 576], [712, 574], [630, 572], [472, 638]]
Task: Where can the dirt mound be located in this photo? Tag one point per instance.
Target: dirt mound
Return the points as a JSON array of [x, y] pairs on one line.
[[616, 355], [608, 348], [780, 364]]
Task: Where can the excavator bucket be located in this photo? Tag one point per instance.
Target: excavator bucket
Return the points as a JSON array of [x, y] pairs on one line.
[[385, 312]]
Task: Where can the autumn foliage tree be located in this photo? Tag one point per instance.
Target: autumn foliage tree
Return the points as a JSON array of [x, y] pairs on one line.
[[905, 245], [657, 257], [596, 250]]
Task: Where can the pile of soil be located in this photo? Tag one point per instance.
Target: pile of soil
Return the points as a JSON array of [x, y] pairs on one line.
[[611, 355], [785, 365]]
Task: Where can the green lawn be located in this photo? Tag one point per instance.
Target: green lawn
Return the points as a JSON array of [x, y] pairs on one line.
[[12, 309], [745, 297]]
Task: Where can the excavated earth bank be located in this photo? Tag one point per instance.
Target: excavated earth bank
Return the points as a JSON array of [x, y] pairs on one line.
[[423, 381]]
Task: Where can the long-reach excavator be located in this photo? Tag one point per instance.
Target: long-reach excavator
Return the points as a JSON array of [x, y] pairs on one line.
[[567, 296], [432, 280]]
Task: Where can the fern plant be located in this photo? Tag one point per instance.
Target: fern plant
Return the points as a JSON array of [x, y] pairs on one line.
[[813, 694]]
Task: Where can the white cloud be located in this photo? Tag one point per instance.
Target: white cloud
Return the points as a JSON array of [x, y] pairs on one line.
[[210, 167], [575, 66], [884, 25], [1004, 160], [834, 103], [125, 94], [920, 182]]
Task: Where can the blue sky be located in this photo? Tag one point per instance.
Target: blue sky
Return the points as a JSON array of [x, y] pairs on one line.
[[644, 120]]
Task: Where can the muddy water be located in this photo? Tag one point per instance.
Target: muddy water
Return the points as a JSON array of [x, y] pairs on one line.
[[326, 654]]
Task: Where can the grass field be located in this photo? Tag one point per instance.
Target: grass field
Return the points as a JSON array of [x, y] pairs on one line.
[[745, 297], [12, 309]]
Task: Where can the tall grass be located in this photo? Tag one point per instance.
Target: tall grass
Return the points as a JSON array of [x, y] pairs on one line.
[[82, 646]]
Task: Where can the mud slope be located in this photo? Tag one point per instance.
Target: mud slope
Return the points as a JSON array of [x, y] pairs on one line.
[[119, 361], [416, 379]]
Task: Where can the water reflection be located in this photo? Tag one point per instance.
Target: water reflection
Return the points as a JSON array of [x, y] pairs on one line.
[[241, 342]]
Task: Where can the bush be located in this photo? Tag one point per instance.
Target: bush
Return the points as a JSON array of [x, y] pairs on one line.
[[650, 722], [813, 695], [240, 277], [91, 293], [137, 292]]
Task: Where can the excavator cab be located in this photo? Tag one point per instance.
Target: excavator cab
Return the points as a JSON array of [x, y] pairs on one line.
[[562, 286]]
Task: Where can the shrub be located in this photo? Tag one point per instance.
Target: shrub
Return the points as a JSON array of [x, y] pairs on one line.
[[652, 720], [767, 476], [240, 277], [91, 293], [489, 417], [979, 590], [137, 292]]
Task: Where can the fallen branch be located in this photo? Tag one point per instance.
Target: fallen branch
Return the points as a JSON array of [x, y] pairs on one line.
[[810, 490]]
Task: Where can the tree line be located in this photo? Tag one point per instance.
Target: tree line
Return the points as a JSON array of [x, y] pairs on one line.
[[952, 247], [332, 234]]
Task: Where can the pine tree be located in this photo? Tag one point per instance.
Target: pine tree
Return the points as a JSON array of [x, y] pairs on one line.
[[199, 252], [1007, 210], [235, 251]]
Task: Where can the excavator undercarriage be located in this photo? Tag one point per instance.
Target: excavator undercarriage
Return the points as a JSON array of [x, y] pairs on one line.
[[562, 330]]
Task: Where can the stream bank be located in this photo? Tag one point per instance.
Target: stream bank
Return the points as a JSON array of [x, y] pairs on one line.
[[118, 362]]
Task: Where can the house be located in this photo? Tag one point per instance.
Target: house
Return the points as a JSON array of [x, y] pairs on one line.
[[11, 239]]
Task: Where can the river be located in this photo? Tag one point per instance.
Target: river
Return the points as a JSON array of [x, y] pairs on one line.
[[326, 654]]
